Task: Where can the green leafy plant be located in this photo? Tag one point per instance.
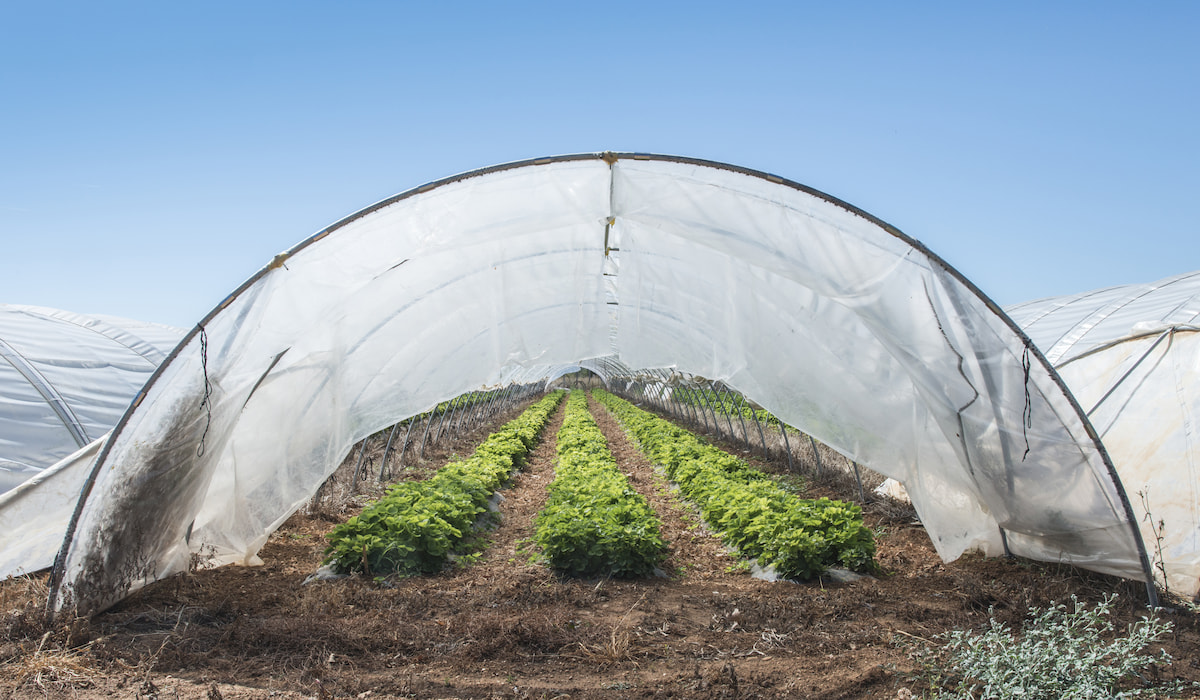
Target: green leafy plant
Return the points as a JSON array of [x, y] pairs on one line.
[[593, 522], [418, 524], [1061, 652], [751, 512]]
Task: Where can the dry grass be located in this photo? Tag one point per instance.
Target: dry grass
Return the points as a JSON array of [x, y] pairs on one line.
[[617, 647], [34, 658], [52, 668]]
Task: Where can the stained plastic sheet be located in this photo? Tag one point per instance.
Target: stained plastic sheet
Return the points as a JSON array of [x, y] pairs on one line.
[[1131, 356], [838, 324]]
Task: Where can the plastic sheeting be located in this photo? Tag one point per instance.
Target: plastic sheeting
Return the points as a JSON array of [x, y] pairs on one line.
[[834, 321], [1131, 356], [34, 515], [65, 380]]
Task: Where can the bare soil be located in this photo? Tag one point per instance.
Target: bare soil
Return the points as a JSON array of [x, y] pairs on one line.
[[504, 625]]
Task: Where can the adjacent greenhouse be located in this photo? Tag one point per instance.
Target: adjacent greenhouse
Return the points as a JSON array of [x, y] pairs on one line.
[[832, 320], [65, 381], [1131, 356]]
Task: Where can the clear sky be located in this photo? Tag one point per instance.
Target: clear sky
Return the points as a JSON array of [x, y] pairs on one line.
[[154, 155]]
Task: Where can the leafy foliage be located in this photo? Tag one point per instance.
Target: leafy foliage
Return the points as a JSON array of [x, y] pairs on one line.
[[417, 524], [1060, 653], [593, 522], [800, 537]]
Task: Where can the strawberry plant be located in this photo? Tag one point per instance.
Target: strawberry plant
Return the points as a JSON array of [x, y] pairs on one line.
[[800, 537], [417, 524], [593, 522]]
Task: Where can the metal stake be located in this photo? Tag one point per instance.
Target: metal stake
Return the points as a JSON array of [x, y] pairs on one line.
[[361, 454], [403, 447], [387, 448], [816, 454]]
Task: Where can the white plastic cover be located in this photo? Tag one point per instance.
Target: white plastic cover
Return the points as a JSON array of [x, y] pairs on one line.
[[825, 316], [34, 515], [1131, 356], [65, 380]]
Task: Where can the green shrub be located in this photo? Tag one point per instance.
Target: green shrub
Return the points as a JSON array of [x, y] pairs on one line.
[[417, 524], [752, 513], [593, 522], [1060, 653]]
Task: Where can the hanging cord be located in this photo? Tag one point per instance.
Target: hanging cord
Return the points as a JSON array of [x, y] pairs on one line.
[[206, 403], [1027, 412]]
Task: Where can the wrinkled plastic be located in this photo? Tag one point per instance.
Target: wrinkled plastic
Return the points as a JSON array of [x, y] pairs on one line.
[[1131, 356], [838, 324]]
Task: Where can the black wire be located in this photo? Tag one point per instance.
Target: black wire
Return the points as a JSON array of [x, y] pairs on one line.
[[206, 403], [1027, 413]]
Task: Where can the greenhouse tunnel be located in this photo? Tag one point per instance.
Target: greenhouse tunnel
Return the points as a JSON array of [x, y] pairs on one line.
[[834, 321], [1131, 356], [65, 380]]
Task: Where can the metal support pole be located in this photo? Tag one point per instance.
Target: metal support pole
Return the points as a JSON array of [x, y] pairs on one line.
[[816, 454], [493, 397], [487, 406], [669, 402], [473, 416], [361, 454], [505, 399], [449, 409], [690, 403], [425, 435], [662, 399], [468, 403], [741, 418], [386, 449], [861, 496], [695, 401], [706, 397], [680, 409], [728, 420], [494, 404], [761, 435], [400, 460], [787, 445], [664, 386], [457, 412]]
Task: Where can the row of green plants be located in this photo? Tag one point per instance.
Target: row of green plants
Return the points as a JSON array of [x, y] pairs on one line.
[[416, 526], [801, 538], [594, 523]]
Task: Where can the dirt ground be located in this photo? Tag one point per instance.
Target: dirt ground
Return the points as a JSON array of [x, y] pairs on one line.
[[505, 626]]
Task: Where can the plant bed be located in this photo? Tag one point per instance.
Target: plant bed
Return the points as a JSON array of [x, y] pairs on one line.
[[594, 523], [801, 538], [415, 527]]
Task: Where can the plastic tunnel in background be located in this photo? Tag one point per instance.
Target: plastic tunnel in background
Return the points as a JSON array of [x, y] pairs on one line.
[[1131, 356]]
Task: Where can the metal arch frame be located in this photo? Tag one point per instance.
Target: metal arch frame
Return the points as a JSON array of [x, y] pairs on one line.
[[612, 157], [47, 391]]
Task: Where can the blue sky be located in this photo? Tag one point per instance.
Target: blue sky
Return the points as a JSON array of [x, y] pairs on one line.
[[155, 155]]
